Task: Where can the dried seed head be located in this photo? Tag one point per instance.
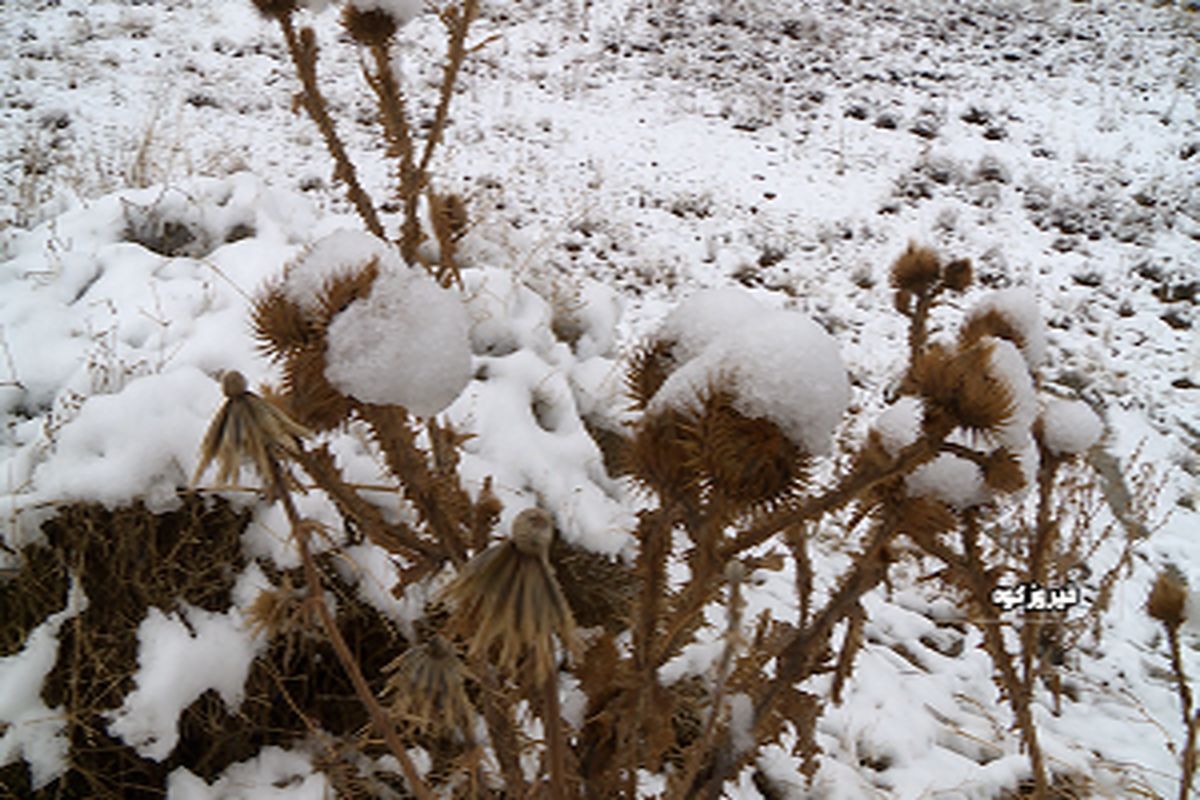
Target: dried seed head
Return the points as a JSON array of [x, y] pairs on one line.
[[249, 429], [509, 605], [599, 590], [991, 323], [649, 368], [532, 532], [926, 516], [744, 462], [233, 383], [368, 26], [1168, 599], [275, 9], [916, 270], [659, 457], [962, 386], [427, 688], [280, 325], [958, 274]]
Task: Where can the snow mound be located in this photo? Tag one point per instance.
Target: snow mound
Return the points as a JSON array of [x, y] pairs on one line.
[[1069, 427], [949, 478], [704, 317], [780, 366], [405, 344]]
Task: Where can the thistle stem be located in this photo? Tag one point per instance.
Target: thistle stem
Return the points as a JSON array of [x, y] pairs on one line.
[[349, 663], [556, 749]]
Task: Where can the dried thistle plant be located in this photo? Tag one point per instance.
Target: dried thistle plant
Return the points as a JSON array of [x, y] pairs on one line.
[[508, 603], [247, 429], [427, 685]]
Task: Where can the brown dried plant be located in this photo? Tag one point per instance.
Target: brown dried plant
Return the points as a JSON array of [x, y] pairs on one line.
[[374, 29]]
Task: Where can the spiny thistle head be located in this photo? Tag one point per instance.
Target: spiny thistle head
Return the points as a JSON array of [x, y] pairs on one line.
[[275, 9], [961, 387], [599, 590], [1168, 599], [368, 26], [295, 333], [508, 602], [649, 368], [249, 429], [744, 462], [991, 323], [958, 274], [659, 455], [427, 688], [916, 270], [1002, 472]]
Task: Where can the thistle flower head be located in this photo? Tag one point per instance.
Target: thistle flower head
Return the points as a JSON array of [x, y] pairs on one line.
[[427, 688], [916, 270], [247, 428], [1168, 599], [275, 9], [508, 602]]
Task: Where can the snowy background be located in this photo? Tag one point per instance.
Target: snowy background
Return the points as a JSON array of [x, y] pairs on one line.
[[616, 159]]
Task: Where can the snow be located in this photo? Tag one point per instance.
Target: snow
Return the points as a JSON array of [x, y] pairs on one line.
[[900, 424], [340, 254], [616, 162], [29, 730], [1069, 427], [404, 344], [1008, 365], [780, 366], [402, 11], [274, 774], [704, 318], [949, 478], [1019, 308], [180, 657]]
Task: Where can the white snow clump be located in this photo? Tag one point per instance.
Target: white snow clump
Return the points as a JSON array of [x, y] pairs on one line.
[[704, 317], [948, 478], [405, 344], [900, 424], [1069, 427], [341, 253], [779, 365], [1019, 307], [177, 662]]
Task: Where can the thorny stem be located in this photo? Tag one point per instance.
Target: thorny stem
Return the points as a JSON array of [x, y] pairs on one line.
[[349, 663], [500, 729], [917, 331], [655, 545], [699, 751], [1043, 541], [969, 566], [796, 661], [397, 130], [303, 50], [395, 539], [1190, 722], [556, 750]]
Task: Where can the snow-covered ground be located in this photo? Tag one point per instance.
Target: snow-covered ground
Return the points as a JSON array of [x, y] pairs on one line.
[[615, 157]]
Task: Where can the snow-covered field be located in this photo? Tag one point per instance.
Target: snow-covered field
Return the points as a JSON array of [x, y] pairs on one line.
[[615, 157]]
